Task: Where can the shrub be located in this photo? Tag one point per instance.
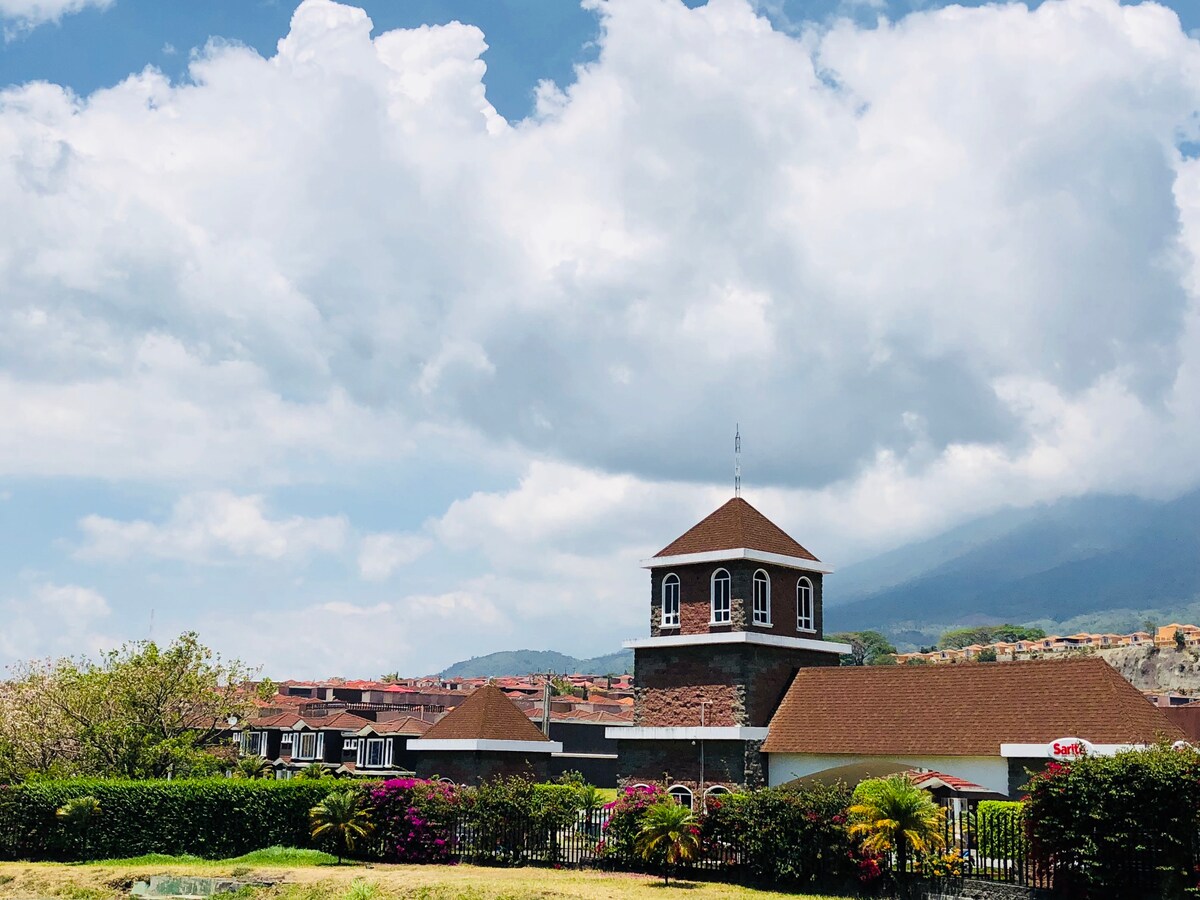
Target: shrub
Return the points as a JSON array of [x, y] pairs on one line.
[[414, 819], [1000, 830], [1118, 826], [787, 835], [620, 830], [214, 818]]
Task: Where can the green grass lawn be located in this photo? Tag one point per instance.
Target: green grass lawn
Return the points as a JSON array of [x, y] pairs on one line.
[[312, 875]]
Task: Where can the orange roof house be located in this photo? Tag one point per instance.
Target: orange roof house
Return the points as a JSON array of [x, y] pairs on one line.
[[986, 724]]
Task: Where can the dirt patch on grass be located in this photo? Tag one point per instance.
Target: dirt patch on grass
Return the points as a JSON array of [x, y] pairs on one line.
[[44, 881]]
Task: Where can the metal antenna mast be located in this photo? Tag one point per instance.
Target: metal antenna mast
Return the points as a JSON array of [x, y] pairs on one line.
[[737, 461]]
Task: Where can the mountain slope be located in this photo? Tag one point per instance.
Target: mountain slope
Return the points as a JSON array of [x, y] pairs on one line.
[[1054, 563], [523, 662]]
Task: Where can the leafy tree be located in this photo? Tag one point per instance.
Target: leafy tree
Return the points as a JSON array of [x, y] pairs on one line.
[[867, 648], [141, 711], [987, 654], [1180, 640], [894, 814], [77, 815], [670, 831], [314, 771], [342, 817], [957, 638]]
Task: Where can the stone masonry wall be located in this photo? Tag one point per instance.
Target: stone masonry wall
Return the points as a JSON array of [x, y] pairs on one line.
[[695, 598], [742, 683], [471, 767]]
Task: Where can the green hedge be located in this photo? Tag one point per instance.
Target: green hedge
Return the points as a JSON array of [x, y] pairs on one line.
[[1000, 830], [214, 818]]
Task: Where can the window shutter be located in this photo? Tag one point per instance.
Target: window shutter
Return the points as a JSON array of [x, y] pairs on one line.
[[321, 745], [388, 753]]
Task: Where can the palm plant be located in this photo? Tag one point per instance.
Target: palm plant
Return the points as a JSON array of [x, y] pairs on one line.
[[590, 801], [894, 814], [77, 815], [341, 816], [670, 830], [252, 767]]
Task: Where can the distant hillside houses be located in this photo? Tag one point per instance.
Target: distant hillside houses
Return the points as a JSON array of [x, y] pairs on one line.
[[1051, 644]]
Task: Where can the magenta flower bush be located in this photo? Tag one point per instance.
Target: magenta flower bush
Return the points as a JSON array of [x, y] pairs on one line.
[[413, 818]]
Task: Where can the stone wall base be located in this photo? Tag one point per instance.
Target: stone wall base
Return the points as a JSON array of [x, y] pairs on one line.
[[969, 889]]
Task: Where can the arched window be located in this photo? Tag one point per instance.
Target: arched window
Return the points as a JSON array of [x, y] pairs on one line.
[[804, 606], [762, 598], [682, 795], [720, 598], [717, 790], [670, 601]]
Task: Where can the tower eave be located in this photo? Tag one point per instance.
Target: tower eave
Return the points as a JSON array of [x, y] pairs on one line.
[[748, 553], [737, 637]]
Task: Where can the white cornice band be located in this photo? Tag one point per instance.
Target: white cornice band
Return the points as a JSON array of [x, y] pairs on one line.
[[737, 637], [473, 744], [697, 733], [779, 559]]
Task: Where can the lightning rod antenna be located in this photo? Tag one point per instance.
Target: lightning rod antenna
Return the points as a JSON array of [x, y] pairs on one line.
[[737, 461]]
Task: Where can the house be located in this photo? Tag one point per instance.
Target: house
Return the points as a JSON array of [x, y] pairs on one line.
[[735, 610], [485, 736], [1164, 637], [986, 724], [342, 743]]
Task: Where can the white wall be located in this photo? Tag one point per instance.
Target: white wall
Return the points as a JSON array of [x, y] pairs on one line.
[[989, 771]]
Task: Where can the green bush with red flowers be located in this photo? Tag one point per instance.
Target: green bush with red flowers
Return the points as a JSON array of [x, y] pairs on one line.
[[1119, 826], [788, 835]]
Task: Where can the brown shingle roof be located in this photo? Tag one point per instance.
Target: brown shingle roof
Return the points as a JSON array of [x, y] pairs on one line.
[[735, 525], [487, 715], [961, 710]]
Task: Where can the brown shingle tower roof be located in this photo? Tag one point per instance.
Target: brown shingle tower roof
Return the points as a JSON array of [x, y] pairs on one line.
[[968, 709], [486, 715], [735, 525]]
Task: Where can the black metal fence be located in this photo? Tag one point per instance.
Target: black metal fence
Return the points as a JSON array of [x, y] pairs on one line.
[[578, 843], [985, 847]]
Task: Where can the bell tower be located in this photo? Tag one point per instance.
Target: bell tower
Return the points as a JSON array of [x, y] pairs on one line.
[[735, 611]]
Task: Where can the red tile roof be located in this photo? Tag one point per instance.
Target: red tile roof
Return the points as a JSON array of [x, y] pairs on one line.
[[487, 715], [735, 525], [968, 709]]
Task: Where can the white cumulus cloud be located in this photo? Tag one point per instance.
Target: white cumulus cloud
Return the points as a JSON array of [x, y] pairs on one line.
[[212, 526], [21, 15]]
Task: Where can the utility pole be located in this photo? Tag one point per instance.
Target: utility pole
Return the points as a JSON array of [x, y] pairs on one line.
[[547, 678]]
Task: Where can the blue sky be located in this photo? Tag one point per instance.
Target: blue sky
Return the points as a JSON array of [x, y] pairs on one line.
[[357, 356]]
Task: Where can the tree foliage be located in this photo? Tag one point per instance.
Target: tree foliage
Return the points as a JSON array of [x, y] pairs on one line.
[[1104, 824], [867, 648], [894, 815], [957, 638], [342, 819], [668, 831], [141, 711]]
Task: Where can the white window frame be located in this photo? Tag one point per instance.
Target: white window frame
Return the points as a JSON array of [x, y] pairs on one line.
[[350, 744], [806, 612], [254, 743], [315, 751], [716, 790], [385, 753], [676, 792], [761, 591], [723, 614], [670, 601], [285, 740]]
